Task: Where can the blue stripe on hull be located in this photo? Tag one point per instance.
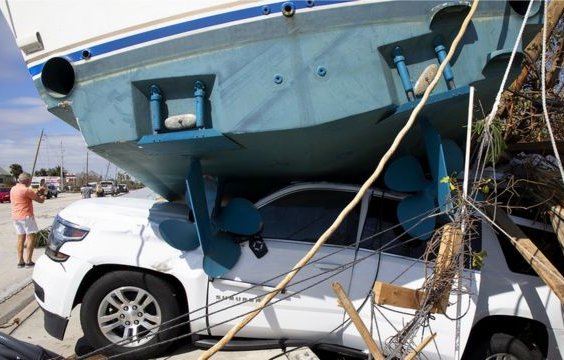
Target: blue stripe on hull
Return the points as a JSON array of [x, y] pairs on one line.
[[180, 28]]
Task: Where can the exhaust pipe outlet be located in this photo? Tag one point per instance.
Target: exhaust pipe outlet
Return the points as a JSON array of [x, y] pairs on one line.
[[58, 77]]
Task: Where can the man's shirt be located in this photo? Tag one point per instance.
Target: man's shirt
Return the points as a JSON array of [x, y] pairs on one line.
[[21, 197]]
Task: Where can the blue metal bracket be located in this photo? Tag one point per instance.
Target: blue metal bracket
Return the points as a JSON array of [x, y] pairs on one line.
[[440, 51], [399, 61], [155, 107], [199, 93], [193, 143]]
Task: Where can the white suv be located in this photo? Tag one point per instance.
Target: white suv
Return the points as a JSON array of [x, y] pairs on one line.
[[108, 255], [109, 187]]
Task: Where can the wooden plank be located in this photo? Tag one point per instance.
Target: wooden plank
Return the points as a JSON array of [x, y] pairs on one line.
[[543, 267], [389, 294], [451, 242], [533, 50], [357, 321], [557, 219], [420, 347], [395, 295]]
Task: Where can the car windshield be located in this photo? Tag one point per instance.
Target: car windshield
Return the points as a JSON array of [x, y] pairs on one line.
[[4, 189], [106, 183]]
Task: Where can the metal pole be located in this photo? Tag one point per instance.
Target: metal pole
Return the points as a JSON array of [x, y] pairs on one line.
[[62, 172], [36, 153], [86, 168]]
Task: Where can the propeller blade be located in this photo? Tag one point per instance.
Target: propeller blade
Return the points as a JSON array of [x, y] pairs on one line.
[[179, 234], [454, 157], [239, 217], [437, 163], [411, 212], [222, 256], [405, 174], [211, 192], [220, 252]]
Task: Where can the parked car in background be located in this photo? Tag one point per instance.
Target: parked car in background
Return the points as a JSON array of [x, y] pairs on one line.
[[122, 188], [35, 185], [51, 191], [4, 194], [109, 187]]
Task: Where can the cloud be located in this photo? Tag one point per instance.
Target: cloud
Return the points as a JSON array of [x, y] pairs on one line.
[[22, 116], [7, 142], [22, 151], [23, 101]]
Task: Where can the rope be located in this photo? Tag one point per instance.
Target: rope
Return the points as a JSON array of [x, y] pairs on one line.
[[233, 331], [495, 107], [543, 92]]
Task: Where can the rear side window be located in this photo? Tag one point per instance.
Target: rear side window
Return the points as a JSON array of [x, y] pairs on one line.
[[305, 215], [546, 242], [382, 232]]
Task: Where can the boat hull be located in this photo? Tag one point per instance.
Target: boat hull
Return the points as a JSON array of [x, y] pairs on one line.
[[298, 96]]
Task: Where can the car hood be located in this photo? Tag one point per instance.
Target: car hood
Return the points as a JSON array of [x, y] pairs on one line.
[[97, 211]]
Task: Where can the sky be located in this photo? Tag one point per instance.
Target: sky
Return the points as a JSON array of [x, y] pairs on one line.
[[23, 115]]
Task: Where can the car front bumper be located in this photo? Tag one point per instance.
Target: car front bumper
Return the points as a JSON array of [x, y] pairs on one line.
[[56, 285]]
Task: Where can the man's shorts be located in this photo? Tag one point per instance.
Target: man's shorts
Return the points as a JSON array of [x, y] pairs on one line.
[[26, 226]]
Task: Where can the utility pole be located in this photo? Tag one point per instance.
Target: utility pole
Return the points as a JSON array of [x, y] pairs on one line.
[[86, 168], [62, 172], [36, 153], [107, 170]]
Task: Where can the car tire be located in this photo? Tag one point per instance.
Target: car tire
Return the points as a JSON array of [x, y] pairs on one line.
[[504, 346], [126, 302]]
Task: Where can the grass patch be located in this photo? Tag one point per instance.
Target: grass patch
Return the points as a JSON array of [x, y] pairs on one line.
[[42, 236]]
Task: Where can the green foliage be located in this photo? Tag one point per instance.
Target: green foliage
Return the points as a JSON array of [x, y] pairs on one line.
[[42, 236], [40, 172], [492, 137], [16, 170], [478, 259], [56, 171]]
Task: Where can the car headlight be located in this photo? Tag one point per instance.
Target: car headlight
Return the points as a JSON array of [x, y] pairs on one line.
[[63, 231]]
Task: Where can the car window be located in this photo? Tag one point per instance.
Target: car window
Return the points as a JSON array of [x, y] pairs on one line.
[[382, 232], [305, 215], [546, 242]]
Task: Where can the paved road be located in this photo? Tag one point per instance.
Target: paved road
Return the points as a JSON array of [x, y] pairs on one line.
[[32, 331], [13, 278]]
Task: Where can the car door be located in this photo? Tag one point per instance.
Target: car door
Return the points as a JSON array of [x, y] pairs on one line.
[[293, 220], [391, 256]]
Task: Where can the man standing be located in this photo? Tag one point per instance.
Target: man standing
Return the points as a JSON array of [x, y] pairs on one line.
[[21, 196], [86, 191]]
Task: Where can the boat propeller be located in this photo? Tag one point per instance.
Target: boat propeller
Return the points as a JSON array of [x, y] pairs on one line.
[[405, 174], [211, 230]]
